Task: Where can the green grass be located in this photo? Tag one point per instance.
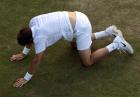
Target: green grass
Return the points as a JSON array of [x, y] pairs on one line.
[[60, 74]]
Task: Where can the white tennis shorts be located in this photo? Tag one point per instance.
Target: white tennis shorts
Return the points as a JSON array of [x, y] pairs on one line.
[[82, 31]]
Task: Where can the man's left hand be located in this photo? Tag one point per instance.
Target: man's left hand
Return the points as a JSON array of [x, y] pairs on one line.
[[19, 82]]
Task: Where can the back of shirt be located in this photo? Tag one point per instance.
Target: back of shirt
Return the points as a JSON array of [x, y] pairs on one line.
[[48, 28], [45, 30]]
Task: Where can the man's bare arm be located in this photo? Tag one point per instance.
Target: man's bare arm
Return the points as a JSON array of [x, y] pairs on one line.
[[32, 69], [35, 62]]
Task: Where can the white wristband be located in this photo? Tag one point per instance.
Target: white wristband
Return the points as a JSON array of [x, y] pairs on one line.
[[25, 50], [28, 76]]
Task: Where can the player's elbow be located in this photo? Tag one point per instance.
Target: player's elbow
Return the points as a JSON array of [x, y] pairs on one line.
[[36, 61]]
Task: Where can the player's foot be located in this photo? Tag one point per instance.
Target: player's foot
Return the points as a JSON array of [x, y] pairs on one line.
[[113, 31], [123, 45]]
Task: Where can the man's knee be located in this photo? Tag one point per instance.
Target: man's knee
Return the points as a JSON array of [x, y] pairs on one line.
[[87, 64], [85, 56]]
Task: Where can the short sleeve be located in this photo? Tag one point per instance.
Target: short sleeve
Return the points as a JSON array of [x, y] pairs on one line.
[[40, 45]]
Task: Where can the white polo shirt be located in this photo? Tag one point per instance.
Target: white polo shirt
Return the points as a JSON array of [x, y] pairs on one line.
[[47, 29]]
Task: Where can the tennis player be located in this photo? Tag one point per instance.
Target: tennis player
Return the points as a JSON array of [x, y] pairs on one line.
[[47, 29]]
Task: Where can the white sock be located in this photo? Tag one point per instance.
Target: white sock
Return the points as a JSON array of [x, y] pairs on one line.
[[111, 47], [101, 34]]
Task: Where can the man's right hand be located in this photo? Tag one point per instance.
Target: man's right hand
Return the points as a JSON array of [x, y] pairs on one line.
[[17, 57]]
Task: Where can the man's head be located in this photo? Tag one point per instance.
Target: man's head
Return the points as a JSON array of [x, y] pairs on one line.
[[24, 36]]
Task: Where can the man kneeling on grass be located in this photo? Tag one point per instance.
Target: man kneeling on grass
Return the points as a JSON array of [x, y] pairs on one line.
[[46, 29]]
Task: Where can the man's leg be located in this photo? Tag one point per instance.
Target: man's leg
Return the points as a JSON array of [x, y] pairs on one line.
[[89, 58]]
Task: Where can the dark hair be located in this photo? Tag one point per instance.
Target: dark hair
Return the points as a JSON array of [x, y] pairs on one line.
[[24, 36]]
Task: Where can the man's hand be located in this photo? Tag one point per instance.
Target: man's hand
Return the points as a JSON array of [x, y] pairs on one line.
[[19, 82], [17, 57]]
